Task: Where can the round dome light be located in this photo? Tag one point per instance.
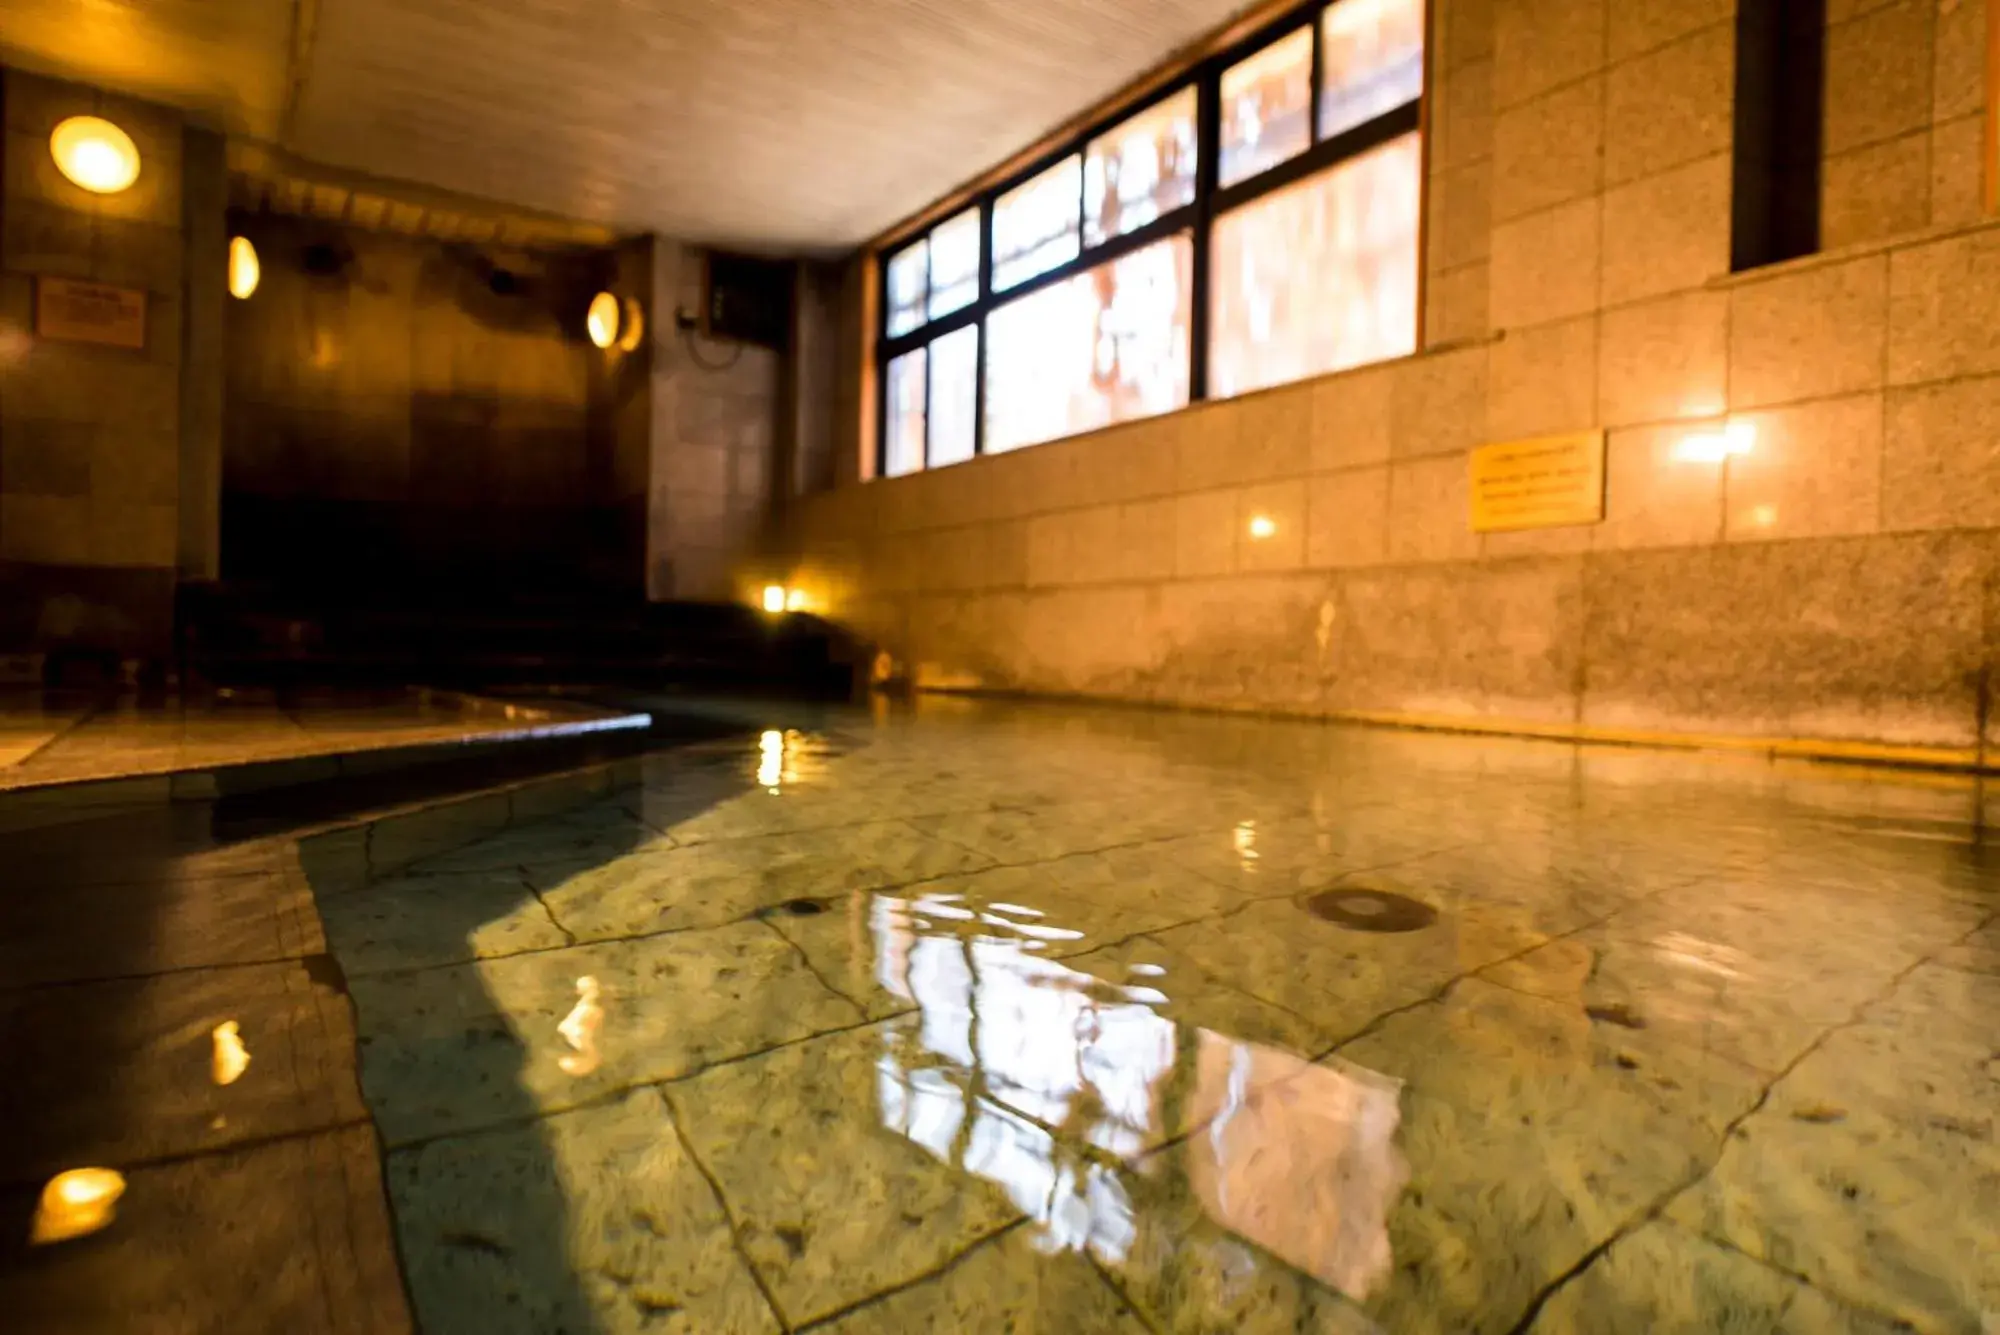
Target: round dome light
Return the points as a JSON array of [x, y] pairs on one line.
[[602, 321], [95, 154], [244, 271]]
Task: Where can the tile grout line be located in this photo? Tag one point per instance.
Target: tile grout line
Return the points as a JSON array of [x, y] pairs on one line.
[[722, 1204], [945, 1267], [1660, 1203]]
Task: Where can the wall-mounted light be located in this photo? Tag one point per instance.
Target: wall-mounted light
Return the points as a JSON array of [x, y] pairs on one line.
[[244, 271], [774, 597], [1712, 447], [95, 154], [602, 320], [1262, 527], [635, 326]]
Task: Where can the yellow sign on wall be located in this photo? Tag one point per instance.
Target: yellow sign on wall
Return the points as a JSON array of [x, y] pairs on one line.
[[90, 313], [1545, 483]]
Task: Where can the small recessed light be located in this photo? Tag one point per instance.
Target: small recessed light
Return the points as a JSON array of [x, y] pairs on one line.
[[1262, 526]]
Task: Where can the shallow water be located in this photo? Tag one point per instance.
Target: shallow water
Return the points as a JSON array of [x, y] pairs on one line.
[[1034, 1018]]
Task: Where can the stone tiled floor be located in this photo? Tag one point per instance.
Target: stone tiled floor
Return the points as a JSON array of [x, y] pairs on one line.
[[59, 738], [1015, 1018]]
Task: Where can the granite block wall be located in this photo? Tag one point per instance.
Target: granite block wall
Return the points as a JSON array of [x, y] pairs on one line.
[[90, 436], [1838, 581]]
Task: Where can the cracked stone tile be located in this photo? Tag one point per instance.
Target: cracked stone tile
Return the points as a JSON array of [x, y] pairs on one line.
[[594, 1220], [288, 1235], [582, 838], [841, 1162], [708, 884], [1737, 968], [1663, 1279], [1874, 1169], [478, 1044], [122, 1071], [416, 922], [1009, 1283], [1342, 979]]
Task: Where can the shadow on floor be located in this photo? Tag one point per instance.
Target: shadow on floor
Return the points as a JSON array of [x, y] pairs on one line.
[[489, 1235], [130, 927]]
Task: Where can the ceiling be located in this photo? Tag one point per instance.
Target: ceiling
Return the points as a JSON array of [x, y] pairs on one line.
[[795, 125]]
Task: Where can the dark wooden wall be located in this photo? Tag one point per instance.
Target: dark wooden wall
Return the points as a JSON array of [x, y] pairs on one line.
[[408, 417]]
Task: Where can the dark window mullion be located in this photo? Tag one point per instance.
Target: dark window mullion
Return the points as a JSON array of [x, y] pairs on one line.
[[1208, 145], [979, 306], [1317, 73]]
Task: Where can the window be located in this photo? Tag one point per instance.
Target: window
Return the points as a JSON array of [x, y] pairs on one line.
[[1319, 276], [906, 415], [1372, 54], [1254, 222], [1035, 225], [1107, 345], [1140, 171], [1267, 107], [954, 397]]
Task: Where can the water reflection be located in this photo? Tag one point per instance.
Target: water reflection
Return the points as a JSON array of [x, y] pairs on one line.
[[1056, 1084]]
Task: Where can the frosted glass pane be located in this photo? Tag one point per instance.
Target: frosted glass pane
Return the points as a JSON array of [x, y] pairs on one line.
[[1035, 224], [954, 263], [954, 401], [1102, 347], [906, 415], [1372, 61], [909, 279], [1140, 170], [1320, 275], [1267, 107]]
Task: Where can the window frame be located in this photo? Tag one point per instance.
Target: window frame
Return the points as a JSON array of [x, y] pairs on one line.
[[1211, 201]]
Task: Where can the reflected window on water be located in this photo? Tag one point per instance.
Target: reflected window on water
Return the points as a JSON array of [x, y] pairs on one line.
[[905, 446], [1141, 170], [1035, 224], [1320, 275], [1267, 107], [954, 277], [954, 393], [1372, 61], [909, 283], [1108, 345]]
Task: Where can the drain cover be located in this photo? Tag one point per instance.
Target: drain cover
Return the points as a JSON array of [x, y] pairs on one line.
[[1371, 910]]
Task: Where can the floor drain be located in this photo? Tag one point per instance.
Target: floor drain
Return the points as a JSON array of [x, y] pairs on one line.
[[1371, 910], [803, 908]]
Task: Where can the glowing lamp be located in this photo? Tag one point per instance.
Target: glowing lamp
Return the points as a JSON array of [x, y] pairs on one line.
[[635, 327], [774, 597], [244, 271], [1262, 526], [95, 154], [603, 319]]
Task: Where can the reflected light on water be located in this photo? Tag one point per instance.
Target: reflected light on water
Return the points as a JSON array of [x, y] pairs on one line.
[[1012, 1059], [230, 1058], [579, 1029], [75, 1203]]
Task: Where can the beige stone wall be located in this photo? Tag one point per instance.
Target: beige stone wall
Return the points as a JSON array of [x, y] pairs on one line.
[[715, 416], [1906, 98], [89, 436], [1840, 581]]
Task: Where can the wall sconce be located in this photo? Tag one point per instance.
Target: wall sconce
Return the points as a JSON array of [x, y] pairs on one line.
[[602, 320], [635, 326], [95, 154], [1713, 447], [1262, 526], [774, 598], [244, 271]]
